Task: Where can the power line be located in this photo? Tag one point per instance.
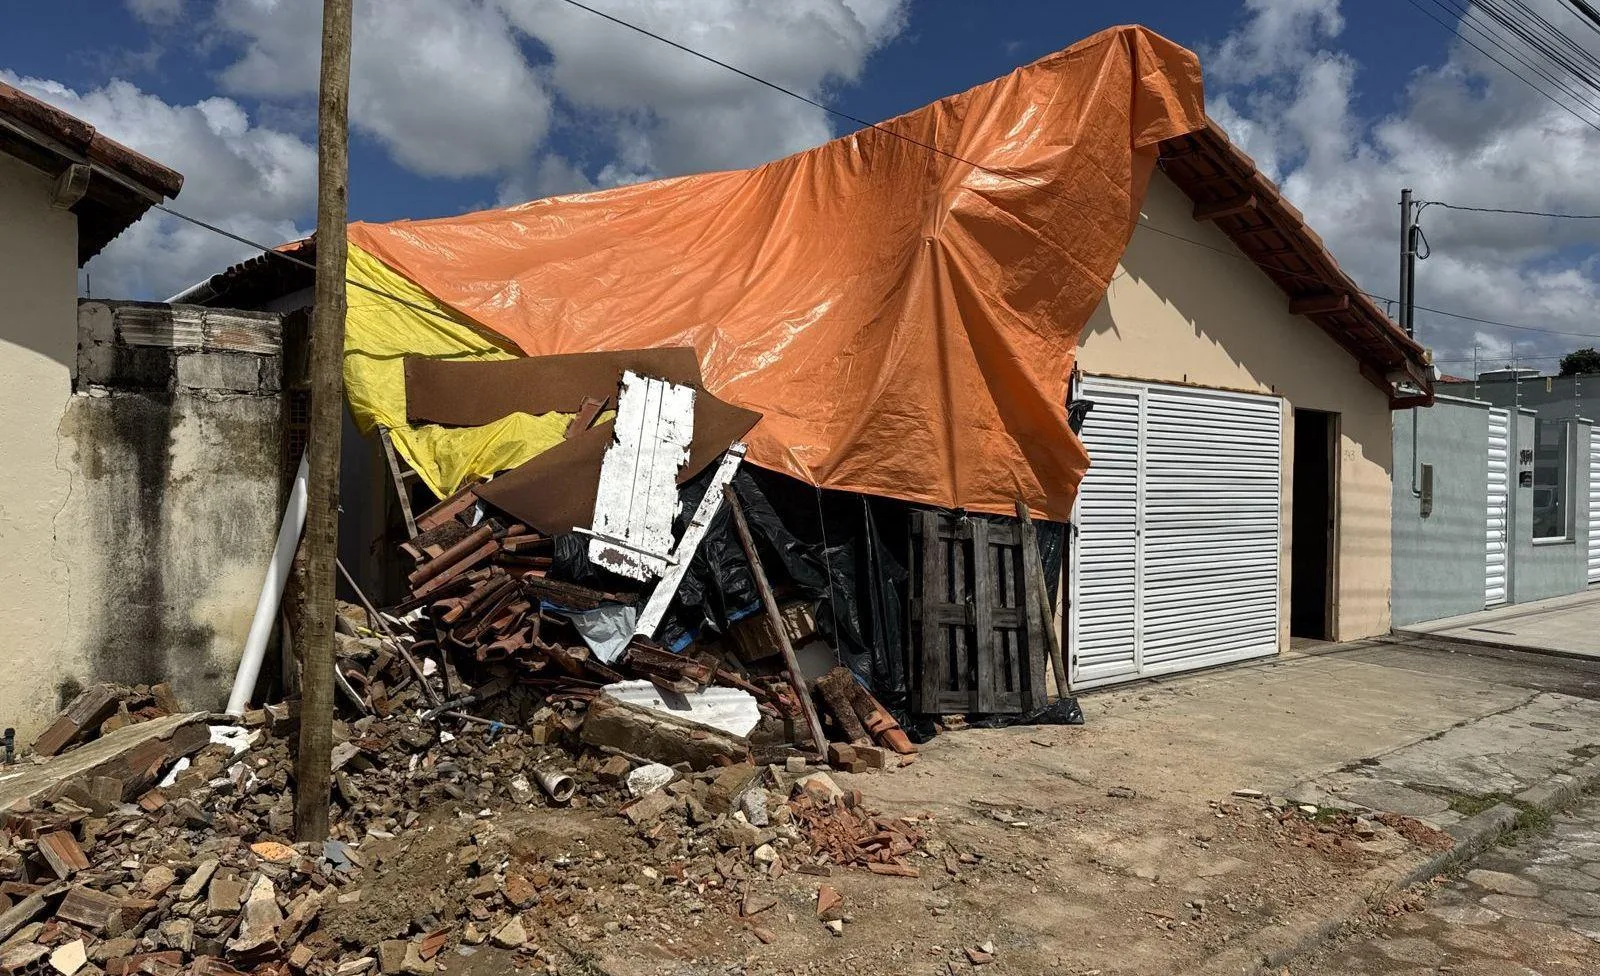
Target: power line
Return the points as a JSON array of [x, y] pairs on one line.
[[294, 259], [1475, 46], [1506, 210], [1508, 19], [302, 262], [1506, 325]]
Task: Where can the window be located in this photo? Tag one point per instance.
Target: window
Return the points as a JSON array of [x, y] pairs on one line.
[[1552, 511]]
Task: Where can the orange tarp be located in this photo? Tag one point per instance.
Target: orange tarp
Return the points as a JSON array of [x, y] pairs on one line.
[[905, 321]]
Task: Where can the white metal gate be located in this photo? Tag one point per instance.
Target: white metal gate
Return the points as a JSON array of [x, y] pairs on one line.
[[1594, 505], [1177, 556], [1498, 529]]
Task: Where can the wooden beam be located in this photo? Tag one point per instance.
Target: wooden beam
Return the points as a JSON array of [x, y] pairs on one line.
[[797, 680], [70, 186], [1319, 304], [1225, 208]]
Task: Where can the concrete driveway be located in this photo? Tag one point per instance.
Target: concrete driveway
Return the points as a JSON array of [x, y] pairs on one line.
[[1567, 625]]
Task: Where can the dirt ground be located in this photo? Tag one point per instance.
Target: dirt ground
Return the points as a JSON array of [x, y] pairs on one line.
[[1046, 868], [1112, 848]]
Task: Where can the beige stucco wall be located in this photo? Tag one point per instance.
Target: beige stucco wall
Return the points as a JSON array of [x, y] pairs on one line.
[[1182, 314], [38, 342]]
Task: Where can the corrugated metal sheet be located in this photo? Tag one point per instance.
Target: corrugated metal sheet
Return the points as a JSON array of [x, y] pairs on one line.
[[1497, 530], [1178, 555]]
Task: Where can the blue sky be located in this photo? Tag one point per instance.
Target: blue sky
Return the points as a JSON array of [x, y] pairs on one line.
[[460, 104], [947, 46]]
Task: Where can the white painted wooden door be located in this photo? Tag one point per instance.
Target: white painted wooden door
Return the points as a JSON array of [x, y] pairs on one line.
[[1498, 528], [1180, 515], [1594, 505]]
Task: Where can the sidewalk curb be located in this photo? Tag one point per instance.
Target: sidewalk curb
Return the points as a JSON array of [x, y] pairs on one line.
[[1276, 946], [1404, 637]]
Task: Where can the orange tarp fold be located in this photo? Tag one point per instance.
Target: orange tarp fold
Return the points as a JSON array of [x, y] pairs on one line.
[[902, 304]]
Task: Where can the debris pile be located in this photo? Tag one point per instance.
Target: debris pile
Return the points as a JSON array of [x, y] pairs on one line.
[[103, 708], [188, 867]]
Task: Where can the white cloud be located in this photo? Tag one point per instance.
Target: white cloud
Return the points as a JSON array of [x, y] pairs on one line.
[[444, 86], [469, 88], [668, 112], [255, 181], [1465, 132]]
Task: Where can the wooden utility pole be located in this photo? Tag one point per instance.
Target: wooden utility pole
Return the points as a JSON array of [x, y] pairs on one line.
[[321, 542]]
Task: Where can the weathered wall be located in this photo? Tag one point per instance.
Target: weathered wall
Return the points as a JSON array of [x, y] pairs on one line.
[[38, 332], [1184, 314], [173, 450], [1544, 569], [1439, 560]]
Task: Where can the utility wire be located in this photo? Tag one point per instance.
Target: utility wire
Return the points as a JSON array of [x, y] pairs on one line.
[[1506, 210], [294, 259], [1517, 19], [1477, 47]]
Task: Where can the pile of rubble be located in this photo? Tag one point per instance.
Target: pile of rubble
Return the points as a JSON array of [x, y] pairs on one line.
[[165, 847], [189, 868], [483, 617]]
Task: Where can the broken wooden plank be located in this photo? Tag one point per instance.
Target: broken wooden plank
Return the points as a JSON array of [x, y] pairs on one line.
[[92, 706], [637, 498]]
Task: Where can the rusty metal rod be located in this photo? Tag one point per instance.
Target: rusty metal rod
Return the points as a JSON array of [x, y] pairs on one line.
[[405, 653]]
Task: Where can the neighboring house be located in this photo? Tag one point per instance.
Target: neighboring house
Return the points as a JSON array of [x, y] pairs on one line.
[[1513, 516], [1239, 443], [1239, 488], [141, 479]]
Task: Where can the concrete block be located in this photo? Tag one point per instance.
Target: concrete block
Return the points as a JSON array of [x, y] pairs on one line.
[[230, 372]]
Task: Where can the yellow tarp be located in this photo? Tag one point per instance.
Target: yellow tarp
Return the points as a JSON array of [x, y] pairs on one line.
[[379, 333]]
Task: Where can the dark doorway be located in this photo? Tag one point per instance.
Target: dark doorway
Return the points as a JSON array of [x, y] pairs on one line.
[[1311, 555]]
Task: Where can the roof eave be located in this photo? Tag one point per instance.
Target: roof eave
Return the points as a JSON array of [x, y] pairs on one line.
[[1229, 191]]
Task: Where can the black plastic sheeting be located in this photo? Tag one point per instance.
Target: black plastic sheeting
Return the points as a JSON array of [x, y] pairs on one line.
[[1063, 711], [844, 565], [844, 551]]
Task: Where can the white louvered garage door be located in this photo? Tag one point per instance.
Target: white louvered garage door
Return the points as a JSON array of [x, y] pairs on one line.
[[1102, 630], [1594, 505], [1497, 531], [1177, 557]]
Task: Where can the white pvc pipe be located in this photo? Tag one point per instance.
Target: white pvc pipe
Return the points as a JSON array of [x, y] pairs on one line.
[[255, 645]]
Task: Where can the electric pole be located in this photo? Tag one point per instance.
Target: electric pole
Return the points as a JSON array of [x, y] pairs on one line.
[[1408, 262], [313, 758]]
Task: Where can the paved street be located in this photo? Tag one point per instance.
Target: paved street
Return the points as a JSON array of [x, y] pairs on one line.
[[1532, 908]]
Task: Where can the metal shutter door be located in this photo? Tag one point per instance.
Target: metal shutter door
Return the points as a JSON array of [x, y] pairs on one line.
[[1594, 505], [1177, 554], [1102, 631], [1497, 529], [1212, 510]]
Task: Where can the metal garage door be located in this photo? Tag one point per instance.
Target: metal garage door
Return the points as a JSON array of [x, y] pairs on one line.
[[1498, 527], [1594, 505], [1177, 557]]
